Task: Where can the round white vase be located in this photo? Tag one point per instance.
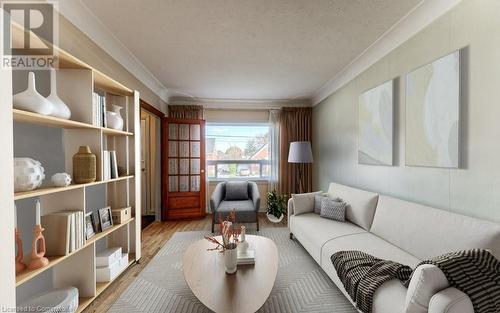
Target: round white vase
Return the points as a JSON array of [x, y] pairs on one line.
[[274, 219], [31, 100], [231, 259], [28, 174], [60, 110], [114, 119]]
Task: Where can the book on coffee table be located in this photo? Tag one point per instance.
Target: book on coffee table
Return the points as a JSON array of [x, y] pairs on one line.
[[246, 257]]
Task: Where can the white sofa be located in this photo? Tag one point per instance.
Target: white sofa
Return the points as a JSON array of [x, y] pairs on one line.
[[396, 230]]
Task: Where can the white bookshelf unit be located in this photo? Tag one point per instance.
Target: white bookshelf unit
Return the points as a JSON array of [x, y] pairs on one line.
[[54, 141]]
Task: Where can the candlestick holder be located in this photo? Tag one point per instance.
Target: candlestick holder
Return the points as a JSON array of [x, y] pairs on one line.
[[38, 258], [20, 266]]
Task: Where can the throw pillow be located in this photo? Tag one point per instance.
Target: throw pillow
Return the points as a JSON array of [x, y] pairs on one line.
[[319, 198], [333, 210], [304, 202], [427, 280], [236, 190]]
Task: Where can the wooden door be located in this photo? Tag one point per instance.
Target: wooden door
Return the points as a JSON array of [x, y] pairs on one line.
[[184, 188]]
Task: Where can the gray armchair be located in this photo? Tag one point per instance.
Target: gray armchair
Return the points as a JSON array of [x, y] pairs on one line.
[[241, 196]]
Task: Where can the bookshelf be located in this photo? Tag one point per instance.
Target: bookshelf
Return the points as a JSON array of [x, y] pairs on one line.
[[76, 81]]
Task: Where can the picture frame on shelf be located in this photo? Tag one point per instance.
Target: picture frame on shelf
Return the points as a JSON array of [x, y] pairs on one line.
[[96, 221], [105, 218], [90, 231]]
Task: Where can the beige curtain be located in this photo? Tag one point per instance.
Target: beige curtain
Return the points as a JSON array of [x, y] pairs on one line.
[[190, 112], [295, 125]]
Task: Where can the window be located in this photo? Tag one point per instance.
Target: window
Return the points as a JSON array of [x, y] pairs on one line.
[[237, 151]]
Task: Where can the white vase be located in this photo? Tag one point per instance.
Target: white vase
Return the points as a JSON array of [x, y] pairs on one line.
[[61, 179], [231, 259], [114, 119], [274, 219], [60, 110], [28, 174], [31, 100]]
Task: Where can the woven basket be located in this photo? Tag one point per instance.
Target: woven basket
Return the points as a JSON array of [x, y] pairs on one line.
[[84, 166]]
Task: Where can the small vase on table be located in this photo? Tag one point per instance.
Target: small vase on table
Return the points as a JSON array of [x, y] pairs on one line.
[[231, 258]]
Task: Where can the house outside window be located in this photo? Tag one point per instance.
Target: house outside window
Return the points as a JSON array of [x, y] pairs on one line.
[[237, 151]]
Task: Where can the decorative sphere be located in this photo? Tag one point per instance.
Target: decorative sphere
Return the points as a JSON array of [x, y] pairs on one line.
[[28, 174], [61, 179]]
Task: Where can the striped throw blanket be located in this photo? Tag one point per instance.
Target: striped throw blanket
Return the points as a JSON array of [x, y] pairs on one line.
[[474, 272]]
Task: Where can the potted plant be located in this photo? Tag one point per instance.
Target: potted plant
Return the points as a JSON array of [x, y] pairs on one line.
[[276, 206]]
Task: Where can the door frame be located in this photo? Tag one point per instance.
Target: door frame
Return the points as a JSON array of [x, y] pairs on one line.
[[151, 109]]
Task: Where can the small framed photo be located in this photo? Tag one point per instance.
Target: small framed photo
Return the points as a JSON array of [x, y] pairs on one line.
[[105, 218], [89, 226], [96, 221]]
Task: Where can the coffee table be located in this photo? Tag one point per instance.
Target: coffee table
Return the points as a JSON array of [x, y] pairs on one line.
[[245, 291]]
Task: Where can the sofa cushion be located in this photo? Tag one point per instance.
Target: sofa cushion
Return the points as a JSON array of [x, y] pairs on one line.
[[427, 280], [313, 231], [428, 232], [236, 190], [360, 204], [332, 209], [245, 211], [304, 202], [317, 202], [390, 297]]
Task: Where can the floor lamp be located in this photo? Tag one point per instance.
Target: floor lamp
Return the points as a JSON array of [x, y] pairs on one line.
[[300, 153]]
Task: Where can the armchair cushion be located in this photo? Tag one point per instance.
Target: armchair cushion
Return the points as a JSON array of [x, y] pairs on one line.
[[236, 190], [245, 211]]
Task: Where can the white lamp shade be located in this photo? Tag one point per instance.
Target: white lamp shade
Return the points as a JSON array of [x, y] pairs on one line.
[[300, 152]]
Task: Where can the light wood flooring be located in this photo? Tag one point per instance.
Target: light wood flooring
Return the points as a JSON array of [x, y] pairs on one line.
[[154, 237]]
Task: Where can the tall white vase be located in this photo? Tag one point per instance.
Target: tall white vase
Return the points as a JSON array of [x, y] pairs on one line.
[[114, 119], [231, 259], [31, 100], [60, 108]]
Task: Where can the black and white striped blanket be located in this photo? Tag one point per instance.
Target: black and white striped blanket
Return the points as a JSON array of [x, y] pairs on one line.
[[474, 272]]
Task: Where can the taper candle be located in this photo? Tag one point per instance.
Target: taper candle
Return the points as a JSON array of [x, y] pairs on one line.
[[15, 216], [37, 222]]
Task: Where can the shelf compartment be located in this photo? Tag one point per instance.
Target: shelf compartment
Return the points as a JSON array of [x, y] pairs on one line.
[[50, 121], [50, 190], [30, 274], [84, 302]]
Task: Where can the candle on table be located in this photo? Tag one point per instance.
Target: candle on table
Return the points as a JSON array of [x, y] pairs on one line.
[[37, 222]]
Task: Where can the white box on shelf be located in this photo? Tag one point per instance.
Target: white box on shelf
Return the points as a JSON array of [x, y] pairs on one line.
[[108, 257], [108, 273]]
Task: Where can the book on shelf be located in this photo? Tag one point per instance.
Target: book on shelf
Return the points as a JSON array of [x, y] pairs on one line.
[[106, 169], [98, 110], [246, 257], [63, 232], [114, 164]]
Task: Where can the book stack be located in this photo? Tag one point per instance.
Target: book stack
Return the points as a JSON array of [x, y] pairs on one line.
[[64, 232], [98, 110], [110, 165], [246, 256]]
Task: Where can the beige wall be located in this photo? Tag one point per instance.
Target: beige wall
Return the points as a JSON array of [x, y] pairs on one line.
[[78, 44], [472, 190]]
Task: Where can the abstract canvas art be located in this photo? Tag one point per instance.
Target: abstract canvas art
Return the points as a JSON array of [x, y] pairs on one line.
[[433, 113], [376, 125]]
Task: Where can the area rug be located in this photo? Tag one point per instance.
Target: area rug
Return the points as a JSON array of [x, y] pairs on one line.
[[301, 285]]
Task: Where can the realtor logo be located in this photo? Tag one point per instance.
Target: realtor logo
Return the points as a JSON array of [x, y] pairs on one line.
[[29, 33]]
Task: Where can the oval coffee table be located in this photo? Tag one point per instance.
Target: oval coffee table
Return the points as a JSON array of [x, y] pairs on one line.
[[245, 291]]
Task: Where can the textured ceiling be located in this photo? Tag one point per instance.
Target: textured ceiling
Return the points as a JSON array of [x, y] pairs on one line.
[[247, 49]]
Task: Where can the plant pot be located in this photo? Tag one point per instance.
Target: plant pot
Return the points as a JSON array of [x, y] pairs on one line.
[[60, 108], [31, 100], [114, 119], [231, 259], [274, 219]]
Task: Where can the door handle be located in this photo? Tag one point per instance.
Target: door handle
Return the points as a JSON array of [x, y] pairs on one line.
[[202, 171]]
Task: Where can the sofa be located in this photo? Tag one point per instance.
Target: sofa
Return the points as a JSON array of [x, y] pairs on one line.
[[241, 196], [396, 230]]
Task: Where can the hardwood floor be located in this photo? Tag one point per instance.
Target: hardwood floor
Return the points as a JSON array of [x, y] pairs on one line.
[[154, 237]]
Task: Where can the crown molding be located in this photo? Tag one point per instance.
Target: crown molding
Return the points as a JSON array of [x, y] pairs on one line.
[[81, 16], [417, 19], [239, 104]]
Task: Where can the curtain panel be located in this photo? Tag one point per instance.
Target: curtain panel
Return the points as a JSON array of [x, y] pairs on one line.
[[274, 148], [295, 125], [190, 112]]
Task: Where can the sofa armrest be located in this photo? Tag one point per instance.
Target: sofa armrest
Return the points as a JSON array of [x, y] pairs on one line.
[[450, 300], [217, 196], [290, 210], [253, 192]]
